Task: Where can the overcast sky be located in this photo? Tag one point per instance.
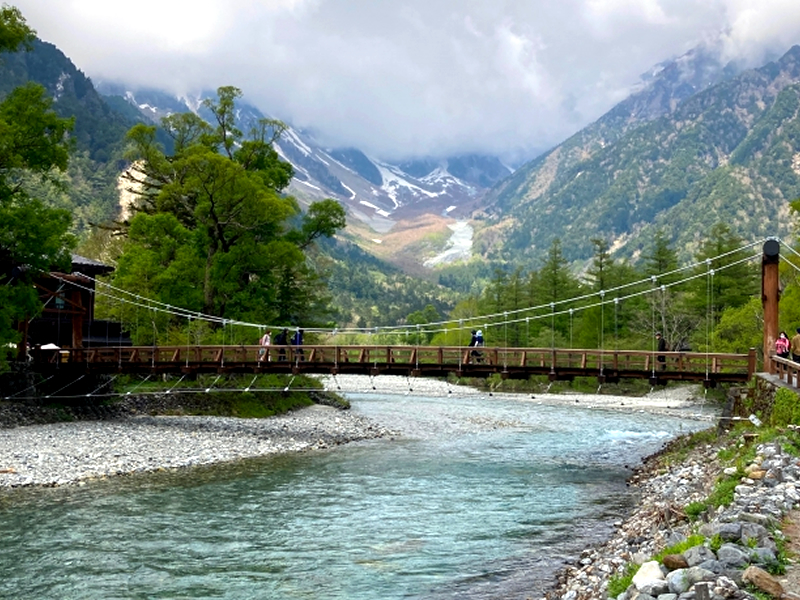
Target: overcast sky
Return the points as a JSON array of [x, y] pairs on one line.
[[401, 78]]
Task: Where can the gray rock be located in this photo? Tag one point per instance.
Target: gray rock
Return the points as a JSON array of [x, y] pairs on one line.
[[712, 565], [678, 581], [763, 556], [732, 555], [697, 574], [724, 587], [759, 518], [655, 588], [754, 531], [730, 532], [698, 554]]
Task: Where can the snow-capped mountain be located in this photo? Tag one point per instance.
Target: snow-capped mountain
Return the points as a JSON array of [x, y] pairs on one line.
[[374, 191]]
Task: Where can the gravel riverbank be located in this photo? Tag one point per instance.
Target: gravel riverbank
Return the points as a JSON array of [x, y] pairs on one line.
[[64, 453]]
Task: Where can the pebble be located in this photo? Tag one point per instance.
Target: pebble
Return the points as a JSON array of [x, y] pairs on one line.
[[64, 453]]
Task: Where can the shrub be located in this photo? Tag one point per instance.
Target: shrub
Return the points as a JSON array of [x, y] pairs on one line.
[[693, 510], [785, 408]]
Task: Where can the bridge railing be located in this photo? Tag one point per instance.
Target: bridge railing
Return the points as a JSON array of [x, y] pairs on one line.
[[433, 360], [787, 370]]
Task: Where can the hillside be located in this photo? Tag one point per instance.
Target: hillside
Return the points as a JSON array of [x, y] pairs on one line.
[[90, 182], [727, 153]]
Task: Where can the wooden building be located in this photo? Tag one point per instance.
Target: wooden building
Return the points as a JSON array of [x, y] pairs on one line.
[[68, 319]]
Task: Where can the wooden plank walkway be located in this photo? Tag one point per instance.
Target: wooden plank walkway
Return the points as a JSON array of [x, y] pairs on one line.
[[416, 361]]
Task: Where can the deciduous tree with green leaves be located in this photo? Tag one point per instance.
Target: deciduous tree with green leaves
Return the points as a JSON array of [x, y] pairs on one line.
[[212, 220], [34, 143]]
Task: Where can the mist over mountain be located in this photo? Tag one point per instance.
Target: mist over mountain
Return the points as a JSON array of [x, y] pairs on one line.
[[372, 190], [701, 143]]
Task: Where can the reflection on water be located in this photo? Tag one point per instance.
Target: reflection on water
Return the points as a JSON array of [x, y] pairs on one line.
[[476, 498]]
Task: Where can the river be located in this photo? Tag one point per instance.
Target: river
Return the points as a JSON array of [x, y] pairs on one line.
[[474, 498]]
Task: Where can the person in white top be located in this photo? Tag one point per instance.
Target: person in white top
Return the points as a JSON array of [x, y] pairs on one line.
[[264, 342]]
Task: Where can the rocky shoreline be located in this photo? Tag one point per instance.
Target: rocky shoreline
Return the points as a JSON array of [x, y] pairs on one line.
[[740, 540]]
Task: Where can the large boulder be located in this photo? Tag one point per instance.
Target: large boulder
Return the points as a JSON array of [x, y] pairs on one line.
[[733, 556], [763, 581], [648, 573], [697, 555]]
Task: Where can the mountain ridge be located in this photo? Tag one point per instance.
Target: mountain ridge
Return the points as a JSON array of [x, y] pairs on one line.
[[371, 189], [709, 158]]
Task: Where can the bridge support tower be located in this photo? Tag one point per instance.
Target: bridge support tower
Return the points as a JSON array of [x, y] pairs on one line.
[[770, 296]]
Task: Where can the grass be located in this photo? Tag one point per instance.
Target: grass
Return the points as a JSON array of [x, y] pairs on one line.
[[269, 395], [690, 542], [619, 582]]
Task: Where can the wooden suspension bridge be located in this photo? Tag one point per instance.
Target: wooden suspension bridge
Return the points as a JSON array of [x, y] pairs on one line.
[[412, 361], [425, 361]]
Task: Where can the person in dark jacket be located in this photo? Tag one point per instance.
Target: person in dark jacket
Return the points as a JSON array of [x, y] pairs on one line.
[[281, 340], [662, 347], [297, 340]]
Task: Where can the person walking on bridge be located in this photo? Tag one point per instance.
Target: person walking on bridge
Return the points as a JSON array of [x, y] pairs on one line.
[[662, 347], [782, 345], [263, 352], [796, 346], [281, 340]]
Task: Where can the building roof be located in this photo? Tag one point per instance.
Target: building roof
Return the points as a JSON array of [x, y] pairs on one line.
[[89, 266]]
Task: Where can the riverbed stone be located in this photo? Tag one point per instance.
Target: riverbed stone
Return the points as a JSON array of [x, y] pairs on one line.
[[731, 555], [712, 565], [763, 581], [675, 561], [698, 554], [648, 573], [763, 557], [725, 587], [655, 588], [730, 532], [679, 581]]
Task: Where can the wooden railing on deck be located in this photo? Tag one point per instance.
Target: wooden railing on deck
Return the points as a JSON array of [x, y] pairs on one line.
[[787, 370], [415, 360]]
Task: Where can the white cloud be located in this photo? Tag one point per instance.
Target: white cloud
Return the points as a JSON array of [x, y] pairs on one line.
[[413, 77]]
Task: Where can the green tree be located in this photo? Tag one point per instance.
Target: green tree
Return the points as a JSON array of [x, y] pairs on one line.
[[730, 280], [555, 281], [739, 329], [212, 214], [660, 258], [34, 143], [599, 271], [423, 317]]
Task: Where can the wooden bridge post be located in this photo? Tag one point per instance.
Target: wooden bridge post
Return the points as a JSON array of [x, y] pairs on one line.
[[770, 297]]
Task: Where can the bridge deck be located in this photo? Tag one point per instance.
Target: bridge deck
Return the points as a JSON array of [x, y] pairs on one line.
[[418, 361]]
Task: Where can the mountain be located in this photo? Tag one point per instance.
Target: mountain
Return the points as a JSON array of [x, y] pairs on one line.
[[90, 182], [701, 143], [376, 193]]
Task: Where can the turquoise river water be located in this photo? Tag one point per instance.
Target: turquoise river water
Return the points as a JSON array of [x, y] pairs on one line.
[[475, 498]]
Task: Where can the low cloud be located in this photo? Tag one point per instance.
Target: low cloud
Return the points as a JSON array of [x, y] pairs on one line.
[[415, 77]]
